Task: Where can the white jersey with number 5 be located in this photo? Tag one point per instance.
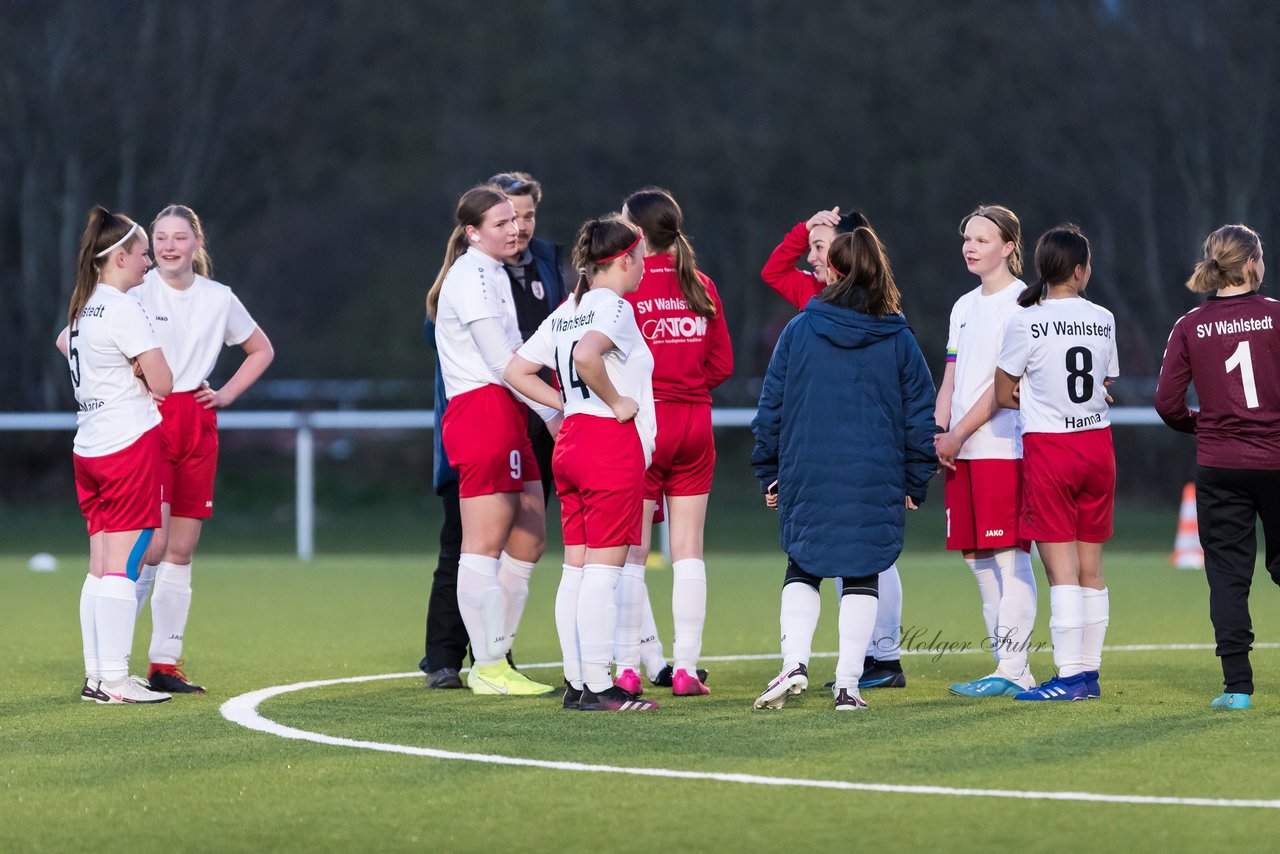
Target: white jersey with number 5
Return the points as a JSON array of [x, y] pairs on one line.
[[629, 364], [1064, 350]]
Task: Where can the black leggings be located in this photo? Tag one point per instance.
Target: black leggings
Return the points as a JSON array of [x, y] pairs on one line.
[[1229, 503], [861, 585]]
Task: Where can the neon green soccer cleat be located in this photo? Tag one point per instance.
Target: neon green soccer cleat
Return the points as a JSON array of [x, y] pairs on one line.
[[503, 679]]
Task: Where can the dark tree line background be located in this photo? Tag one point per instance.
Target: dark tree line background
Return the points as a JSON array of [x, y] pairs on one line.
[[325, 145]]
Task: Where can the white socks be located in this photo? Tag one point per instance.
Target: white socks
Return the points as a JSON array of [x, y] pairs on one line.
[[513, 578], [689, 611], [114, 612], [596, 619], [651, 652], [886, 639], [630, 597], [170, 604], [801, 607], [857, 622], [567, 623], [88, 634], [1097, 614], [482, 605], [1066, 627], [146, 576], [986, 573], [1017, 615]]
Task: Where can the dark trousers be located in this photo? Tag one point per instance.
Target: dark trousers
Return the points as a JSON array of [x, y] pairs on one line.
[[1229, 503], [447, 641]]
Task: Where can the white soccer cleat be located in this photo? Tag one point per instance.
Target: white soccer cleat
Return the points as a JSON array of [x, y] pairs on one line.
[[128, 690], [785, 684]]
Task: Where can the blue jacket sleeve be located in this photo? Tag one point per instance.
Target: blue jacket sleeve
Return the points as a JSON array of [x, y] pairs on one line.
[[918, 397], [767, 425]]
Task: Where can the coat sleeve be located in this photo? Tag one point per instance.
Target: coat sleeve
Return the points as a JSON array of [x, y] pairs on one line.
[[918, 399], [1175, 377], [767, 425], [780, 273]]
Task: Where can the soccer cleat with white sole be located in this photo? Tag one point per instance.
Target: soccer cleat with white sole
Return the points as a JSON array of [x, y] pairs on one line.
[[127, 690], [786, 683], [613, 699], [92, 692], [502, 680], [848, 700]]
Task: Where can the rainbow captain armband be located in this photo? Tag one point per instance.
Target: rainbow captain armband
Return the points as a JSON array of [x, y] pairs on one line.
[[951, 355], [139, 551]]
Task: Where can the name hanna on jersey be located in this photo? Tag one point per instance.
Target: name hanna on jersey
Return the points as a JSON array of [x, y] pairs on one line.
[[1233, 327], [1081, 423], [568, 324], [661, 304], [1070, 327]]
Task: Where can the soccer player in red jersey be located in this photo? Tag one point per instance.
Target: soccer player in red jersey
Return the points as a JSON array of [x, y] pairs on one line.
[[1230, 348], [808, 240], [679, 312], [1059, 353]]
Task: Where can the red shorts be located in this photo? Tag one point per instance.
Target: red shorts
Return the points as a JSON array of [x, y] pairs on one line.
[[188, 455], [684, 458], [599, 469], [486, 438], [1069, 486], [982, 498], [121, 491]]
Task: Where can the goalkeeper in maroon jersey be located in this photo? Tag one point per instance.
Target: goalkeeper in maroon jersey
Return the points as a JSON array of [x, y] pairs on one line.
[[1230, 348]]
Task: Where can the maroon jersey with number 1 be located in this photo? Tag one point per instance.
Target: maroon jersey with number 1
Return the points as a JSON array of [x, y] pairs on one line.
[[1230, 348]]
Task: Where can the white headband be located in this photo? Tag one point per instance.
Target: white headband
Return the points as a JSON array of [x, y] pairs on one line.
[[118, 243]]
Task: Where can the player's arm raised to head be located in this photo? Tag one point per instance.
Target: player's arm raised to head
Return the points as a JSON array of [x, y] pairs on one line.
[[155, 371]]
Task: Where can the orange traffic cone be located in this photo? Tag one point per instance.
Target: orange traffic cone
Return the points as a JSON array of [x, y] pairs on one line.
[[1187, 553]]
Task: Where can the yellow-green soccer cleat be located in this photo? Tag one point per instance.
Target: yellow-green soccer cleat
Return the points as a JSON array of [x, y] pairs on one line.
[[503, 679]]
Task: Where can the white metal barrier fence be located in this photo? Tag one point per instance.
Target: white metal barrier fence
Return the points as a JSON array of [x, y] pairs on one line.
[[305, 423]]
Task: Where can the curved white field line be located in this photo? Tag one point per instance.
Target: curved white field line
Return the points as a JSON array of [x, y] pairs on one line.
[[243, 710]]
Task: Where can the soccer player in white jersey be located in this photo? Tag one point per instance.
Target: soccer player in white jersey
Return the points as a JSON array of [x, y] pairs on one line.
[[981, 448], [116, 368], [1057, 359], [486, 438], [193, 317], [605, 372]]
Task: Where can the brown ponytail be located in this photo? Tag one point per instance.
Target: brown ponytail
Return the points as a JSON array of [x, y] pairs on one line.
[[1226, 252], [867, 285], [472, 207], [659, 216], [103, 229], [201, 263], [598, 244], [1058, 252]]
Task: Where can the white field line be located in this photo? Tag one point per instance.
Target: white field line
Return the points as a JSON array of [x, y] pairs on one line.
[[243, 710]]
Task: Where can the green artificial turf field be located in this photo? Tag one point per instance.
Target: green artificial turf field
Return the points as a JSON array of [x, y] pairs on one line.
[[180, 775]]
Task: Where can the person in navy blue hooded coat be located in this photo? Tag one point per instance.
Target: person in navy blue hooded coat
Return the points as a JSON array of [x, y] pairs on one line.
[[844, 447]]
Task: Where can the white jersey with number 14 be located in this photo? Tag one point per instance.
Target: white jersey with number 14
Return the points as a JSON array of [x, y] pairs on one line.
[[1064, 350], [629, 364]]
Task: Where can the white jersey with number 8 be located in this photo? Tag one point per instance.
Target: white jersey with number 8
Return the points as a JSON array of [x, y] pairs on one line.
[[629, 364], [1064, 350]]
